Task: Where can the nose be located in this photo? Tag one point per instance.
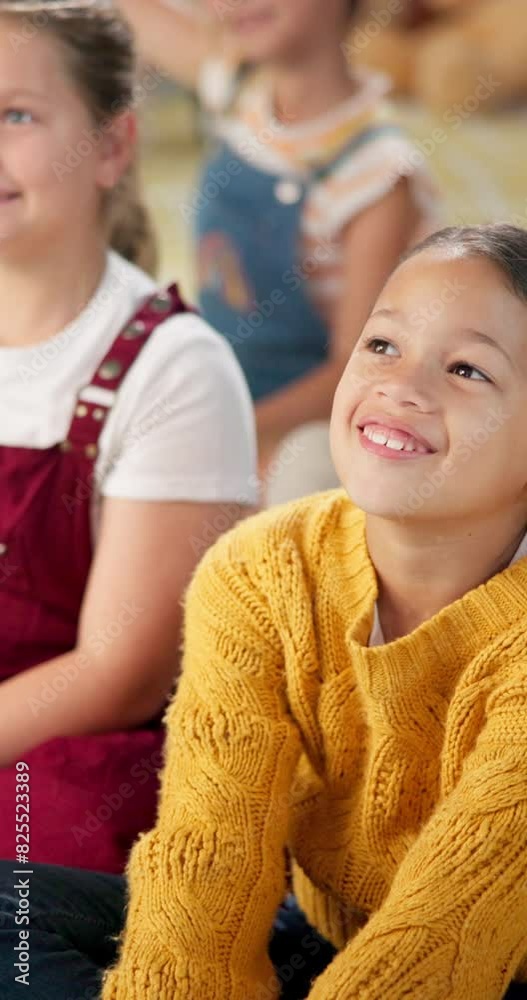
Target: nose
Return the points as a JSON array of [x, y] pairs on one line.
[[407, 389]]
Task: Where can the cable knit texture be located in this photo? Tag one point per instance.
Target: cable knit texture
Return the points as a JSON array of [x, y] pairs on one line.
[[394, 776]]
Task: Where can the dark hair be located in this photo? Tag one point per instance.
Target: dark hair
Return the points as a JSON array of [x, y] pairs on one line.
[[100, 54], [502, 244]]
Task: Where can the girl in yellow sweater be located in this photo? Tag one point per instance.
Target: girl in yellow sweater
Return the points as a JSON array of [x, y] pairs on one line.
[[352, 715]]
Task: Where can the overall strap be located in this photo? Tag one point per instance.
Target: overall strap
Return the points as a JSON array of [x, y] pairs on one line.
[[96, 399], [353, 144]]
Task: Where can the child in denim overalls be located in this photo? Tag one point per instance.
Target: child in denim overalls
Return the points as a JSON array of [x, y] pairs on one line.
[[303, 208]]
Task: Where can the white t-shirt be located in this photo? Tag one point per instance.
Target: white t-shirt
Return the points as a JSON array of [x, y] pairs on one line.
[[182, 423]]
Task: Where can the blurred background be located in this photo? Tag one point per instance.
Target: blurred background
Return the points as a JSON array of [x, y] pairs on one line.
[[473, 138]]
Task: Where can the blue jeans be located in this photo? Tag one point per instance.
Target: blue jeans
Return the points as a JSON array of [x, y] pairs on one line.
[[76, 916]]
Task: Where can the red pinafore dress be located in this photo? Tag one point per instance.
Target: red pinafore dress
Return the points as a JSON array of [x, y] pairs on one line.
[[90, 796]]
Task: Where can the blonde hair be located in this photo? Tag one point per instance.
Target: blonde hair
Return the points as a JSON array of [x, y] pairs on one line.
[[100, 54]]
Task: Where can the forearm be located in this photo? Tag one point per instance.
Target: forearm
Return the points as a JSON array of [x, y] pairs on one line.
[[127, 655], [173, 35], [71, 695], [307, 399], [453, 926], [206, 882]]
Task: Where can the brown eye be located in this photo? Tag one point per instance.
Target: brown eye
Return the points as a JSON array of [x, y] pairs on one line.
[[379, 346], [467, 371]]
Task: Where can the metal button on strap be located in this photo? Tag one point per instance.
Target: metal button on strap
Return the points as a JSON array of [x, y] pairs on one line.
[[134, 330], [81, 410], [110, 369], [66, 446], [3, 548], [161, 302], [91, 450], [98, 413], [288, 192]]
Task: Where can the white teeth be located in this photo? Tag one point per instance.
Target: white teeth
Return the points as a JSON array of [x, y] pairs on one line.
[[394, 443]]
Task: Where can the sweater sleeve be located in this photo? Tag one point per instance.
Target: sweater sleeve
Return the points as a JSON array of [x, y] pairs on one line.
[[454, 924], [206, 882]]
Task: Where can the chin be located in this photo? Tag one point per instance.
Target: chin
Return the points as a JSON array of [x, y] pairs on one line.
[[375, 499], [259, 51], [264, 44]]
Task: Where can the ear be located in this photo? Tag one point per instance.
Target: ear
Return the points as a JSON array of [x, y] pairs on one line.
[[117, 148]]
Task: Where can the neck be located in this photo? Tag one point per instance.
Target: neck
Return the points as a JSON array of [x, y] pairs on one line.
[[423, 568], [311, 85], [43, 292]]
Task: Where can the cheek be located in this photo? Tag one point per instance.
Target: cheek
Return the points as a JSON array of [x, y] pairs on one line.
[[71, 163], [352, 389], [33, 166], [505, 450], [36, 158], [345, 403], [488, 454]]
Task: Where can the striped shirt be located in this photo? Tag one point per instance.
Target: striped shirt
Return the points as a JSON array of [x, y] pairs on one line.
[[241, 114]]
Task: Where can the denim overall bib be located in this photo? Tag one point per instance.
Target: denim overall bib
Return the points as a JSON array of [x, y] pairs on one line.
[[253, 283]]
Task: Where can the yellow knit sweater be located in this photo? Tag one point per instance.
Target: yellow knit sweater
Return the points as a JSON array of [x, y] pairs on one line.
[[395, 775]]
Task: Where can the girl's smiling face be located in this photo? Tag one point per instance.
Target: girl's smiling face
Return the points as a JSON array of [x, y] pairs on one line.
[[54, 162], [429, 417]]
